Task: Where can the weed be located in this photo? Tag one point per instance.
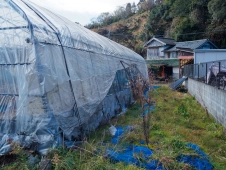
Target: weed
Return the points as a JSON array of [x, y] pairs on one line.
[[170, 131], [21, 158], [183, 110], [177, 144], [155, 126]]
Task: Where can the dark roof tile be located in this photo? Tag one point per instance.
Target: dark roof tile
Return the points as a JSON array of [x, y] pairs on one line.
[[168, 41], [191, 44]]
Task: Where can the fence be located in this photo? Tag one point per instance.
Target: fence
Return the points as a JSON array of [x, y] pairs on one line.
[[212, 73]]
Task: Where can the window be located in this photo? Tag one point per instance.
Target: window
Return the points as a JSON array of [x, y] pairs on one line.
[[153, 53]]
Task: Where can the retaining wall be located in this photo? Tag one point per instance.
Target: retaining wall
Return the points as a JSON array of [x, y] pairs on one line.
[[210, 97]]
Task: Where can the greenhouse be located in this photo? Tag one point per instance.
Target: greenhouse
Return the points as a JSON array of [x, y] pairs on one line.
[[58, 80]]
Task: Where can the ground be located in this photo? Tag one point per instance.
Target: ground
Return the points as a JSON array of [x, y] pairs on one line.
[[176, 120]]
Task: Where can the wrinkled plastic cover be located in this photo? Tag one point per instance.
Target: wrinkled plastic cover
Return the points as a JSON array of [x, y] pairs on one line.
[[58, 80]]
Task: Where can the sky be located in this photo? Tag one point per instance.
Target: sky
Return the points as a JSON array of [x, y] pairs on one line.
[[81, 11]]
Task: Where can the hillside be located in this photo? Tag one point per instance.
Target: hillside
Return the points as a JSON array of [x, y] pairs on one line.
[[178, 19], [126, 32]]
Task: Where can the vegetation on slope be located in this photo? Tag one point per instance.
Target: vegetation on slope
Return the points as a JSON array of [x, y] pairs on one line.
[[178, 19], [126, 31], [176, 120]]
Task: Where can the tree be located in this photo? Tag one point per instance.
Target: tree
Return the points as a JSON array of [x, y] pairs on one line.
[[134, 8], [104, 18], [128, 10], [185, 25], [217, 8], [120, 12], [159, 2], [150, 4], [181, 8]]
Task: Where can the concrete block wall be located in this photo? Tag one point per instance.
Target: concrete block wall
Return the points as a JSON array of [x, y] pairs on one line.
[[210, 97]]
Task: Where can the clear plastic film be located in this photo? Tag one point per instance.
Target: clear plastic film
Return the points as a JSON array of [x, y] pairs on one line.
[[58, 80]]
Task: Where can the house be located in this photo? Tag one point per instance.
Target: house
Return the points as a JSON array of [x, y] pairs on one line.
[[156, 46], [167, 63], [162, 52], [184, 51]]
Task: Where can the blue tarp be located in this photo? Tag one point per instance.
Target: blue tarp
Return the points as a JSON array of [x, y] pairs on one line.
[[156, 87], [140, 155], [199, 161], [135, 155]]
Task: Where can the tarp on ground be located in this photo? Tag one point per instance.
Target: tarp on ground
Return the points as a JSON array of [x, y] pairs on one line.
[[141, 156]]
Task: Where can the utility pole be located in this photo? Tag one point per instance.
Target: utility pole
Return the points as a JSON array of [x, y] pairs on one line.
[[109, 33]]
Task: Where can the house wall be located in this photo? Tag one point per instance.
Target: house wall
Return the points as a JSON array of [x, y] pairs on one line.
[[165, 55], [202, 56], [175, 73], [173, 54], [183, 53], [152, 53], [210, 97], [155, 53], [161, 54], [154, 44]]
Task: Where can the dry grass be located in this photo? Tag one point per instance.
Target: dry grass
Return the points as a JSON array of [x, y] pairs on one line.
[[188, 124], [177, 119]]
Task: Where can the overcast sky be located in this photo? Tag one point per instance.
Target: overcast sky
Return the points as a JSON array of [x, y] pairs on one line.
[[81, 11]]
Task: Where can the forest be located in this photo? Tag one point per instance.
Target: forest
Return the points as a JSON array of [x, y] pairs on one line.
[[178, 19]]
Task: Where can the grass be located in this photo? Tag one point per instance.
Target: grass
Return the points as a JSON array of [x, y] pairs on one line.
[[176, 120], [179, 117]]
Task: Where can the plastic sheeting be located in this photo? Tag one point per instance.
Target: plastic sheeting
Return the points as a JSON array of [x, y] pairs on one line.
[[141, 155], [58, 80], [213, 69], [177, 83]]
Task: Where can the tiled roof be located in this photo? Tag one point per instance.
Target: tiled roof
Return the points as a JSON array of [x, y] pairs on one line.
[[166, 41], [171, 49], [192, 45]]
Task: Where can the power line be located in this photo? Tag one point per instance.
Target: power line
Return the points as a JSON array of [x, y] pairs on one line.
[[130, 35], [202, 32]]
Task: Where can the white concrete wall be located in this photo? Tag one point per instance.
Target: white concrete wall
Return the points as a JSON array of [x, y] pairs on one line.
[[211, 97], [176, 70], [175, 73]]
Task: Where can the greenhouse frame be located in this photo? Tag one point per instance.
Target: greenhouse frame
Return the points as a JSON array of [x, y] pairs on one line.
[[58, 80]]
